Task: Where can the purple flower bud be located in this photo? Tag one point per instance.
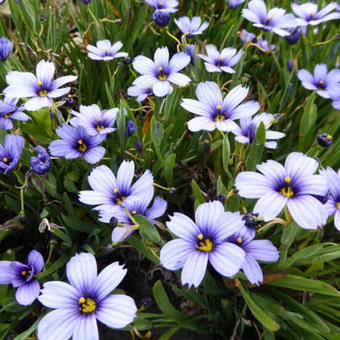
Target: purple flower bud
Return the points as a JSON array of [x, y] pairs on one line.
[[325, 140], [126, 60], [147, 301], [113, 221], [6, 48], [42, 17], [250, 220], [290, 65], [68, 100], [172, 190], [139, 146], [52, 115], [221, 198], [130, 128], [86, 2], [161, 17], [190, 51]]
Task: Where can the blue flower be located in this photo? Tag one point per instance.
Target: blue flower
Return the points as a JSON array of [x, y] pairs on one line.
[[22, 277], [308, 13], [95, 121], [255, 250], [274, 20], [135, 207], [333, 203], [86, 299], [216, 112], [6, 48], [41, 163], [111, 193], [218, 62], [160, 73], [201, 242], [10, 153], [105, 51], [10, 111], [131, 128], [140, 92], [77, 142], [166, 5], [41, 87], [322, 81], [191, 27], [334, 94], [233, 4], [293, 184], [246, 133]]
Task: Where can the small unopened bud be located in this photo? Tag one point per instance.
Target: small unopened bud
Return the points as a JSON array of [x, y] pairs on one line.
[[147, 301], [221, 198], [172, 190], [325, 140], [113, 221], [250, 220], [161, 17]]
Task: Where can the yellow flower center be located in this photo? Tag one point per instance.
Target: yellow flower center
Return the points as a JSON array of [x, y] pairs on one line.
[[119, 200], [321, 82], [287, 191], [287, 179], [115, 190], [82, 146], [7, 115], [43, 93], [100, 127], [134, 212], [5, 159], [269, 18], [338, 205], [205, 245], [161, 4], [219, 118], [149, 87], [162, 76], [87, 305], [39, 83], [239, 240]]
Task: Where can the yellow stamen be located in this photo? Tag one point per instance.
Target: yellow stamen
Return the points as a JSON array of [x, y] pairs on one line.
[[288, 192], [105, 51], [207, 246], [88, 306], [7, 115], [321, 82], [269, 18], [115, 190], [120, 200], [80, 142], [24, 272], [220, 58], [200, 236], [149, 87], [287, 179], [5, 159], [134, 212], [292, 32], [219, 118], [329, 137], [219, 107], [125, 57], [100, 128], [39, 83], [99, 119], [338, 205], [82, 146], [162, 77], [239, 239], [81, 300], [69, 95], [160, 68], [161, 4], [42, 93]]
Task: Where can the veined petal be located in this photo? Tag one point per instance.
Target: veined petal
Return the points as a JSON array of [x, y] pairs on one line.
[[194, 268], [252, 270], [179, 61], [86, 328], [245, 110], [313, 185], [273, 170], [157, 209], [28, 292], [270, 205], [195, 106], [125, 175], [252, 185], [208, 215], [161, 57], [262, 250], [6, 272], [179, 78], [201, 123], [36, 261], [143, 184], [298, 165], [45, 72], [143, 65], [63, 80], [234, 97], [210, 94], [36, 103], [183, 227]]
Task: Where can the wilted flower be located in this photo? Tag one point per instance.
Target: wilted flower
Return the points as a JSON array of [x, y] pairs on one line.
[[191, 27], [160, 73], [112, 193], [325, 140], [293, 185], [22, 277], [333, 203], [10, 153], [77, 142], [218, 62], [203, 242], [255, 250], [105, 51], [41, 163], [6, 48], [161, 17], [216, 112], [140, 92], [308, 13], [84, 301], [246, 133], [95, 121], [233, 4], [166, 5], [322, 81], [9, 111], [274, 20], [41, 87]]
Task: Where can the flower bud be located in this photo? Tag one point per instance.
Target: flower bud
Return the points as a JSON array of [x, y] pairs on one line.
[[325, 140], [161, 17]]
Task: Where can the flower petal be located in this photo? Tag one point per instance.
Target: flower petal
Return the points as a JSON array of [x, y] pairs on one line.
[[6, 272], [262, 250], [36, 261], [252, 185], [86, 328], [270, 205], [28, 292], [183, 227], [194, 268], [252, 270]]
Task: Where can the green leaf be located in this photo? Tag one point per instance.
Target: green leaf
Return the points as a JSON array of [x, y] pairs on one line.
[[197, 192], [304, 284], [168, 166], [164, 303], [51, 268], [146, 229], [75, 224], [258, 312], [225, 153], [256, 149], [157, 132], [28, 332], [142, 248]]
